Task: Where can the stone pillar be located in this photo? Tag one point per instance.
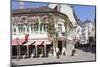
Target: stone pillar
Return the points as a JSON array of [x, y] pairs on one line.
[[30, 29], [25, 29], [19, 52], [36, 50], [54, 52], [55, 47], [71, 47], [63, 47], [27, 51], [45, 49], [67, 48]]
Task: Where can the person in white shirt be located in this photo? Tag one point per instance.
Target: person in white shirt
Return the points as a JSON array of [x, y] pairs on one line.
[[57, 52]]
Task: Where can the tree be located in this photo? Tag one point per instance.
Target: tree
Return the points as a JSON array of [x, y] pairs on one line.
[[52, 33]]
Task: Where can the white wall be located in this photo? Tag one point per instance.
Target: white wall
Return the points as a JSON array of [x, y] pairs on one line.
[[31, 36], [78, 34], [67, 10], [52, 6]]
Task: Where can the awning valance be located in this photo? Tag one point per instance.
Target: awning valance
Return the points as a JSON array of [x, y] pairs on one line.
[[47, 42], [28, 43], [18, 41], [38, 43]]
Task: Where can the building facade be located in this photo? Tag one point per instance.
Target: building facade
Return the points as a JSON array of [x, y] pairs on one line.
[[67, 10], [41, 31], [87, 31]]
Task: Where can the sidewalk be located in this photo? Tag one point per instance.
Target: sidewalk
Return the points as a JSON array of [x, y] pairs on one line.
[[79, 56]]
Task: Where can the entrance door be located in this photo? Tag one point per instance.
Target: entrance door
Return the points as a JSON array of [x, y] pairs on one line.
[[14, 51], [60, 45]]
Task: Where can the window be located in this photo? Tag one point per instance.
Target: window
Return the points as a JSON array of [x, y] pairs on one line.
[[36, 27], [27, 26], [14, 28], [45, 27], [12, 20], [41, 25], [59, 27], [32, 28], [21, 28]]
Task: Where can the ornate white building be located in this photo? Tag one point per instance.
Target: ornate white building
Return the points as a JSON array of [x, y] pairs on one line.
[[49, 28], [67, 10]]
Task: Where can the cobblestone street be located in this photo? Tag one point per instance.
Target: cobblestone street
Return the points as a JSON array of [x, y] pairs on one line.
[[79, 56]]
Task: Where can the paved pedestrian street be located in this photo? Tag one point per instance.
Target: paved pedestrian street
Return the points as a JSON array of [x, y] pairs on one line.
[[79, 56]]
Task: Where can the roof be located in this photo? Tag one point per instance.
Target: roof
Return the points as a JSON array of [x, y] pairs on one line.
[[33, 10], [86, 21], [43, 9]]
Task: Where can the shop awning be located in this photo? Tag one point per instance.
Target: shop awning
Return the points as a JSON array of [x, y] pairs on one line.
[[28, 43], [47, 42], [38, 43], [18, 42]]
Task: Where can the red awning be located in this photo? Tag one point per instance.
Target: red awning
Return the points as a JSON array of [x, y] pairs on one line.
[[47, 42], [20, 41], [38, 42]]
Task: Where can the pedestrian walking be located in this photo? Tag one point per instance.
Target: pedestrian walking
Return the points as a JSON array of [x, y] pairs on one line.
[[57, 52], [63, 51], [33, 53], [73, 50]]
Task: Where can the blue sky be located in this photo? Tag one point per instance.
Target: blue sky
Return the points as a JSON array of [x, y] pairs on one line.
[[83, 12], [15, 4]]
